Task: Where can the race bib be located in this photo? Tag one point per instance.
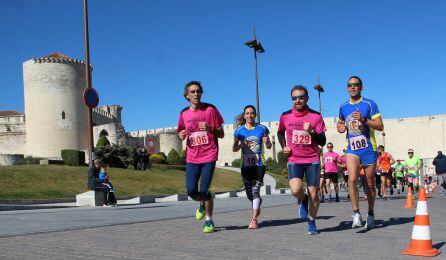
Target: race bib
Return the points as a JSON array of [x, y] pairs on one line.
[[198, 138], [250, 159], [412, 168], [328, 159], [358, 142], [301, 137]]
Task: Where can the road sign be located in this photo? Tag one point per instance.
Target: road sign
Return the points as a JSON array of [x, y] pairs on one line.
[[91, 97]]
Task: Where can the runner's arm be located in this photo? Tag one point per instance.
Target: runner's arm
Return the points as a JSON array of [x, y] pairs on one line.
[[320, 138], [281, 138], [219, 132], [375, 123], [236, 146], [392, 161]]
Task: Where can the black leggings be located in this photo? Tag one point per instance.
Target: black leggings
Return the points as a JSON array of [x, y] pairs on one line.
[[252, 179]]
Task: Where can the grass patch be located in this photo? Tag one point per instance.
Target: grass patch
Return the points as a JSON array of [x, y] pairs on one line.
[[61, 181], [281, 181]]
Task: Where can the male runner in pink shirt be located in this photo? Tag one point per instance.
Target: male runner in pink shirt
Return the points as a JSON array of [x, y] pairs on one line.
[[200, 124], [300, 132]]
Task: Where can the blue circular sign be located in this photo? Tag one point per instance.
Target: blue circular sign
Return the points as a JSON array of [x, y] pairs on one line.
[[91, 97]]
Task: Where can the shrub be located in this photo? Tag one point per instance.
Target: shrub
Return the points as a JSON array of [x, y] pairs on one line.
[[115, 155], [281, 159], [271, 164], [182, 154], [73, 157], [103, 141], [170, 167], [236, 163], [158, 158], [29, 160], [173, 157]]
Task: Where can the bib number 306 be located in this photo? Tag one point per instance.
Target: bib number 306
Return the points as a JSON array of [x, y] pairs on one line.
[[301, 137], [358, 143], [198, 138]]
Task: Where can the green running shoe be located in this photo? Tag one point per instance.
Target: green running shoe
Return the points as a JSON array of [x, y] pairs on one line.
[[199, 214], [208, 226]]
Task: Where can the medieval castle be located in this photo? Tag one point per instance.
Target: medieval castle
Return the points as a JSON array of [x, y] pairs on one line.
[[56, 118]]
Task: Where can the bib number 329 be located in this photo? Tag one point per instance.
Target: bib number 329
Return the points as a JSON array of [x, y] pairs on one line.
[[198, 138], [358, 143], [301, 137]]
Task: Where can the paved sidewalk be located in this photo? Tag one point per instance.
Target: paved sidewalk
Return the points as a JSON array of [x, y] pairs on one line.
[[169, 231]]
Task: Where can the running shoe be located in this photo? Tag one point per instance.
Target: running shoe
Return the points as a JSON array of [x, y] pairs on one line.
[[402, 189], [312, 230], [303, 208], [385, 197], [357, 220], [254, 224], [322, 199], [337, 197], [365, 196], [208, 226], [399, 192], [391, 190], [330, 199], [370, 222], [199, 214]]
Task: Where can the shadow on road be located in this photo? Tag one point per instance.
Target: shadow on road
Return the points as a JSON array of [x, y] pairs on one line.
[[274, 223], [345, 225], [438, 245]]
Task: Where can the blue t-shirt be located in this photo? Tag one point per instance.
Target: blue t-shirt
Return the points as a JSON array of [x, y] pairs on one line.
[[360, 137], [102, 176], [253, 155]]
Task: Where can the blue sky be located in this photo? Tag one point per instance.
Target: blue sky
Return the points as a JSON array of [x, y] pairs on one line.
[[143, 52]]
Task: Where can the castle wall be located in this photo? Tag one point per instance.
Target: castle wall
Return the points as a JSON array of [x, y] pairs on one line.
[[426, 135], [56, 115]]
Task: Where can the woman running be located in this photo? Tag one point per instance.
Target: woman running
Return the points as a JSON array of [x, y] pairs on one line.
[[250, 137]]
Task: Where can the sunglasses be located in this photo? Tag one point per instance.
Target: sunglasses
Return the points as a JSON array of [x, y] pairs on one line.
[[355, 84], [410, 153], [301, 97], [329, 146]]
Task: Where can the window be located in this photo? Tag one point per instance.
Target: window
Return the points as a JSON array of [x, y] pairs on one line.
[[8, 128], [63, 114]]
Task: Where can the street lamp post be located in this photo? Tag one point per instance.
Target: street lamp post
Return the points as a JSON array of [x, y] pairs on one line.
[[320, 90], [257, 47], [88, 84]]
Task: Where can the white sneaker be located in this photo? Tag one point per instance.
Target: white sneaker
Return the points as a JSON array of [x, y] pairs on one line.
[[357, 220], [370, 222]]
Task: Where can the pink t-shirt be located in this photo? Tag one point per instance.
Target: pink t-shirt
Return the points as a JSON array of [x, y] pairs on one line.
[[330, 161], [342, 161], [201, 146], [304, 148]]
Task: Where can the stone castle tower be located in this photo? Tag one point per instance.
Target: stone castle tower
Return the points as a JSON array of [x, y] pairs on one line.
[[56, 115]]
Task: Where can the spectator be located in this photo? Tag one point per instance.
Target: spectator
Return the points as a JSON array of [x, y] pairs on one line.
[[440, 169], [110, 199], [93, 179], [146, 160], [136, 156]]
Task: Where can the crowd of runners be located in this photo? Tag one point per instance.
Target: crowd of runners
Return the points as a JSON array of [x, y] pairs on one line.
[[301, 133]]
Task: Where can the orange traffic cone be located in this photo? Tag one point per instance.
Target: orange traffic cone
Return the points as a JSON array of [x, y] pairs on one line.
[[421, 242], [409, 201]]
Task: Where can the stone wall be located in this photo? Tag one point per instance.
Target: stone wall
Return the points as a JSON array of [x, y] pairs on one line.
[[12, 143], [426, 135], [10, 159]]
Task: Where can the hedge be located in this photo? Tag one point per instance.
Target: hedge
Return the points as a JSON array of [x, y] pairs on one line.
[[170, 167], [73, 157]]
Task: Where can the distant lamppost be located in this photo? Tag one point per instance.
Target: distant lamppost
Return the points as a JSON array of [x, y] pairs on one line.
[[319, 89], [384, 138], [257, 47]]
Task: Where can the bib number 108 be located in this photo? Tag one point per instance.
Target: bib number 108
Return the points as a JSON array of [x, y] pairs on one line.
[[358, 143]]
